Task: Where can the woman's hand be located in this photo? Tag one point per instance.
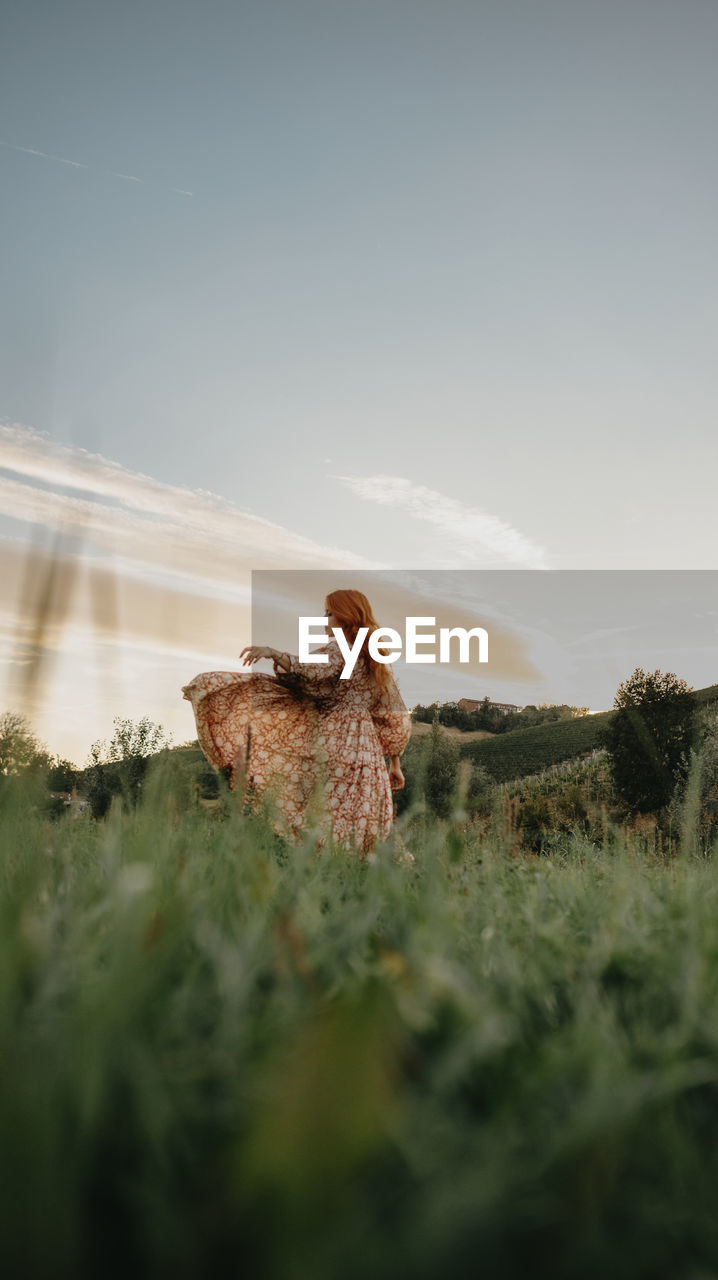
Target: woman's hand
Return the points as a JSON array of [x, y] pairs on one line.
[[396, 777], [254, 652]]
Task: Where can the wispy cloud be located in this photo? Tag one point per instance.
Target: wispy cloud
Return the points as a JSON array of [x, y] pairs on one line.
[[77, 164], [129, 515], [472, 535]]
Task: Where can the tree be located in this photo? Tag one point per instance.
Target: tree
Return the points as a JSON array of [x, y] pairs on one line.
[[101, 781], [62, 776], [122, 765], [19, 747], [132, 741], [648, 739], [424, 715]]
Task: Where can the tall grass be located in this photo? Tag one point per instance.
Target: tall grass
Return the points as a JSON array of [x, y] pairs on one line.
[[223, 1056]]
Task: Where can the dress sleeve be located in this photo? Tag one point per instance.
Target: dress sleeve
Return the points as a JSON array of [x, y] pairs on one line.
[[315, 679], [392, 720]]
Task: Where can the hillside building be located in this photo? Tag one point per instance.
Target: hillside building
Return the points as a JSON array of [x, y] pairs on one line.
[[473, 704]]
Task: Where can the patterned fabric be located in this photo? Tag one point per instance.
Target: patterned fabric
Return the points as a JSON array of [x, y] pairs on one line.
[[309, 740]]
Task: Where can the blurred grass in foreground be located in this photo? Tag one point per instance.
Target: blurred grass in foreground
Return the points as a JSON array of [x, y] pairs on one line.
[[220, 1056]]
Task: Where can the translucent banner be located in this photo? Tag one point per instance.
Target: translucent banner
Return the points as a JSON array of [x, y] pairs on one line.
[[549, 636]]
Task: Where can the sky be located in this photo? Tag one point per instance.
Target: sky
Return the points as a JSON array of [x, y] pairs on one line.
[[310, 285]]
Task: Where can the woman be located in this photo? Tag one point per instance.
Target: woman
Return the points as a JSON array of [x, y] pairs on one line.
[[305, 730]]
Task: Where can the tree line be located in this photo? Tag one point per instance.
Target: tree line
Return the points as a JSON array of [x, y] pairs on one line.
[[118, 767], [661, 746], [487, 716]]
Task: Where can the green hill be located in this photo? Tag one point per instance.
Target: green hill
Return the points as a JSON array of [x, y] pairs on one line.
[[704, 696], [525, 751]]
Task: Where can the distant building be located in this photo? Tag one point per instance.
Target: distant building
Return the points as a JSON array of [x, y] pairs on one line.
[[71, 801], [473, 704], [65, 796]]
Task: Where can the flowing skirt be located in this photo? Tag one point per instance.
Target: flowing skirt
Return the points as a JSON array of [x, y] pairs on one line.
[[263, 736], [308, 761]]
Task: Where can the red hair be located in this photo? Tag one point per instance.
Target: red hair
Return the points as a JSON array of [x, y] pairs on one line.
[[352, 611]]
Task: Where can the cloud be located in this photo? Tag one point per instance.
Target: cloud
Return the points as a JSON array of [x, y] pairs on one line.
[[472, 534], [186, 532]]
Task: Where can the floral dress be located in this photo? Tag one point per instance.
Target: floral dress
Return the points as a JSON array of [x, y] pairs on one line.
[[309, 739]]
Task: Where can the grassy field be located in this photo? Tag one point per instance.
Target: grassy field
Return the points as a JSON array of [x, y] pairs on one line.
[[527, 751], [421, 730], [223, 1057]]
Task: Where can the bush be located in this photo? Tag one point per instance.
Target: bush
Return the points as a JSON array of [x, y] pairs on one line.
[[534, 818], [430, 766], [479, 792], [441, 771], [207, 781]]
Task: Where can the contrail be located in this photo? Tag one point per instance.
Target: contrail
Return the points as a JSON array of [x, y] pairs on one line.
[[77, 164], [31, 151]]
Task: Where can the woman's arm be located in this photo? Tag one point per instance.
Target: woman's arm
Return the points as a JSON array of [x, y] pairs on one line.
[[317, 679], [392, 721], [396, 777], [256, 651]]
